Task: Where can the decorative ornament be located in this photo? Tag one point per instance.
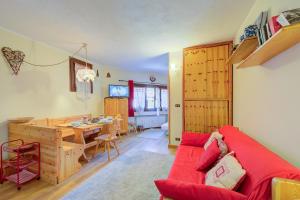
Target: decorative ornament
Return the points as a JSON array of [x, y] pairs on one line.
[[249, 31], [85, 74], [14, 58], [108, 75], [152, 79]]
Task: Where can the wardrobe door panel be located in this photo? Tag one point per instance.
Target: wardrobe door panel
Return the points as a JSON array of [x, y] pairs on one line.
[[187, 67], [207, 87], [195, 116]]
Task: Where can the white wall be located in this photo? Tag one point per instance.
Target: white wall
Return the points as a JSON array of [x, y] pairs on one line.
[[175, 87], [44, 92], [266, 98]]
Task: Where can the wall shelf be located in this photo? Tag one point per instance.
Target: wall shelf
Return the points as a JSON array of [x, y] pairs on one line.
[[244, 49], [206, 99], [285, 38]]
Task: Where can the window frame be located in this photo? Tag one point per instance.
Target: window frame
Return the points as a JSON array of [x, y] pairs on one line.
[[146, 109], [161, 108]]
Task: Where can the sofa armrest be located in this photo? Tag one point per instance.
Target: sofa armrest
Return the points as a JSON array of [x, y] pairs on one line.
[[194, 139], [285, 189], [183, 190]]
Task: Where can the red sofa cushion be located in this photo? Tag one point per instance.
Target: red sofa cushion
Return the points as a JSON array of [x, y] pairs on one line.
[[260, 163], [209, 156], [183, 168], [194, 139], [179, 190]]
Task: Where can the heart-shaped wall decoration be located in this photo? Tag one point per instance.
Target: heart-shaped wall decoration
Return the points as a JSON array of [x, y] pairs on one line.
[[14, 58]]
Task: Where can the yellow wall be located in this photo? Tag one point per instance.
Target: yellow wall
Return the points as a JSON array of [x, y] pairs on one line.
[[44, 92], [266, 98], [175, 85]]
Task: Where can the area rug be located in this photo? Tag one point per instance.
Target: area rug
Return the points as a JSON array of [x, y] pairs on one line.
[[152, 134], [129, 177]]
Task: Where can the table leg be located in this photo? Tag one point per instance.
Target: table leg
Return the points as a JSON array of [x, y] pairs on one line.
[[80, 139], [96, 148], [108, 150]]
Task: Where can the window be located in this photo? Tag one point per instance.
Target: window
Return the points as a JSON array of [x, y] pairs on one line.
[[164, 99], [139, 102], [150, 98]]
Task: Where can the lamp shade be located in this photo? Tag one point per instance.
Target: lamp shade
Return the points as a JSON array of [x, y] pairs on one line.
[[85, 75]]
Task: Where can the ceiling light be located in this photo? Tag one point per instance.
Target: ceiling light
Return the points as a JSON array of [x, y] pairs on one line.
[[86, 74]]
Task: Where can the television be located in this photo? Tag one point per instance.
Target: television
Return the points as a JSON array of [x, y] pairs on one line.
[[118, 91]]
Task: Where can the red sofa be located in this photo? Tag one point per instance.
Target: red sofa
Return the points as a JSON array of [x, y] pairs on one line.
[[260, 163]]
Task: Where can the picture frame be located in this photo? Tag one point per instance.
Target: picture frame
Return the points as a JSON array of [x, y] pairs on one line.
[[74, 65]]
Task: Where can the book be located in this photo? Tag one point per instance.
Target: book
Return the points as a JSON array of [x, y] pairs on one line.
[[264, 19], [262, 36], [274, 25], [258, 37], [268, 31], [261, 21], [257, 23], [289, 17]]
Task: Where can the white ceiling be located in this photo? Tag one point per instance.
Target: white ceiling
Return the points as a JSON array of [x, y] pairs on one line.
[[133, 34]]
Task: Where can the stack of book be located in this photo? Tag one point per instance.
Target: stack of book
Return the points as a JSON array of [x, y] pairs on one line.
[[267, 28], [289, 17], [262, 24]]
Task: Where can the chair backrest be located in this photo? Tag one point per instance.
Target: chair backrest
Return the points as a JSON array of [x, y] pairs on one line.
[[118, 116], [114, 128]]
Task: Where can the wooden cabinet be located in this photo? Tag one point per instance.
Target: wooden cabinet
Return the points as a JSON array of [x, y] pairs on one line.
[[207, 87], [115, 106]]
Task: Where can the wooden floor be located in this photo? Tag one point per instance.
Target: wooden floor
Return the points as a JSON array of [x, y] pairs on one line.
[[37, 190]]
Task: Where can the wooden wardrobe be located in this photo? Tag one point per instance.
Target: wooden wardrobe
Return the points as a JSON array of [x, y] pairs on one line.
[[207, 87], [115, 106]]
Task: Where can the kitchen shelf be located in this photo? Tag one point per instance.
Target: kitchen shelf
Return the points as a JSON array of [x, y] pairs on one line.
[[24, 176], [24, 161], [244, 49], [22, 166], [285, 38]]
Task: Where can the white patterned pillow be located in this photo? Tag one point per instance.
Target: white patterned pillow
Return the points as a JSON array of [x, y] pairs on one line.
[[213, 136], [228, 173]]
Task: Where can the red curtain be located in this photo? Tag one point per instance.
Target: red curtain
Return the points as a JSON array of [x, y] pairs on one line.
[[130, 98]]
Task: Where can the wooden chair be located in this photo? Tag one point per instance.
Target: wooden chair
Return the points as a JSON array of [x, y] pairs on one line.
[[132, 127], [110, 138]]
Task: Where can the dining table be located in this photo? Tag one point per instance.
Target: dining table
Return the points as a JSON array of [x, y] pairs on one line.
[[82, 132]]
